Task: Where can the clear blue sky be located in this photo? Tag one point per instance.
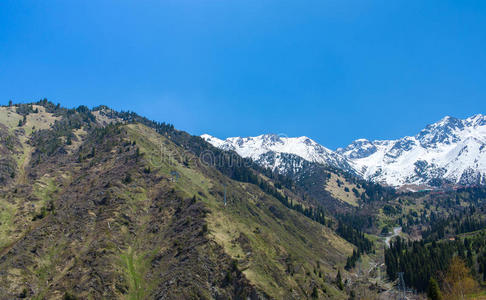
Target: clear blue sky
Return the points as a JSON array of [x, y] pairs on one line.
[[333, 70]]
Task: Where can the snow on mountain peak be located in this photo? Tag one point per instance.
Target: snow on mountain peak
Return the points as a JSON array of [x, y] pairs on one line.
[[476, 120], [451, 150], [256, 147], [212, 140]]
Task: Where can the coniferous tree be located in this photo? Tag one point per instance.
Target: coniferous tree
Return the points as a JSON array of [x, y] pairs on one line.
[[314, 294], [339, 280], [433, 291]]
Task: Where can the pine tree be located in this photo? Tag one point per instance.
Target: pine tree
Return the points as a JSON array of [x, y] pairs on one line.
[[339, 280], [434, 292], [315, 293]]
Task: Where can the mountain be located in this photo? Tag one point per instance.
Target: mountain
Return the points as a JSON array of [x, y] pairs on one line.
[[97, 204], [317, 171], [270, 150], [451, 151]]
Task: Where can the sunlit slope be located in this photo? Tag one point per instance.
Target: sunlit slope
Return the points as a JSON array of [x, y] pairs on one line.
[[274, 246], [120, 211]]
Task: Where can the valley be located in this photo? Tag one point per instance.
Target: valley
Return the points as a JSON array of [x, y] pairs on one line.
[[242, 150], [96, 203]]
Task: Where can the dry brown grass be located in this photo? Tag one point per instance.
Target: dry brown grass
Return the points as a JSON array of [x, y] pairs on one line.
[[339, 192]]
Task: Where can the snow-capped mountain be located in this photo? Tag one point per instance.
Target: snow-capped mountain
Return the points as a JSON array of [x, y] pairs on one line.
[[449, 151], [278, 152]]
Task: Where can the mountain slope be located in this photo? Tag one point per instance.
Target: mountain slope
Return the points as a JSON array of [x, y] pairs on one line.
[[327, 185], [96, 205]]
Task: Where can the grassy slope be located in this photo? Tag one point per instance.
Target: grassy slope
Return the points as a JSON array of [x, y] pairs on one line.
[[109, 237], [255, 229], [14, 213], [101, 233], [343, 191]]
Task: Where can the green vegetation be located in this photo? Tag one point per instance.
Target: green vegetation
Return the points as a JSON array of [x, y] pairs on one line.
[[134, 268], [126, 209], [44, 269], [420, 261], [7, 214], [104, 204], [433, 291]]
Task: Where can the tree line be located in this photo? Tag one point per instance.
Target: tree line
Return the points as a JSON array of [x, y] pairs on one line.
[[421, 261]]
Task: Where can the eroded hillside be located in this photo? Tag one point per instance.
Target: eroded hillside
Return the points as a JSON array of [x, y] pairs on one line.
[[96, 207]]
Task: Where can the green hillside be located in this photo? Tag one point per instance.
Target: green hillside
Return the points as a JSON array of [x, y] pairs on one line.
[[97, 205]]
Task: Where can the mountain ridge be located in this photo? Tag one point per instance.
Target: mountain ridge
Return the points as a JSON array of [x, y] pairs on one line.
[[104, 204], [450, 151]]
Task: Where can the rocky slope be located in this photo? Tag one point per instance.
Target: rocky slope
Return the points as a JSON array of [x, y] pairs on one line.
[[100, 204]]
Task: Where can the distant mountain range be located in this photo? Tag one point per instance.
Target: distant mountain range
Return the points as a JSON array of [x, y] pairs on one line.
[[451, 151]]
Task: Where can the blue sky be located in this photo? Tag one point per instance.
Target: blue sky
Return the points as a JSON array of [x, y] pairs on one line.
[[332, 70]]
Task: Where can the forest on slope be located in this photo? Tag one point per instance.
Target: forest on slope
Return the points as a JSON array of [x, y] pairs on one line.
[[97, 203]]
